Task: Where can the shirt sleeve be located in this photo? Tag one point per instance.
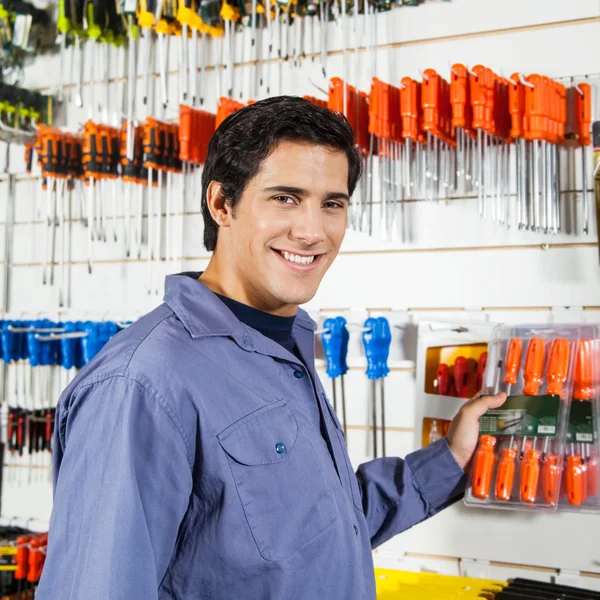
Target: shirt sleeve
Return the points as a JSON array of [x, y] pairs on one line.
[[122, 484], [398, 494]]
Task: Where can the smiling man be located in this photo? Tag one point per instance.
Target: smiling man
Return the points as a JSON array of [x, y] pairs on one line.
[[197, 456]]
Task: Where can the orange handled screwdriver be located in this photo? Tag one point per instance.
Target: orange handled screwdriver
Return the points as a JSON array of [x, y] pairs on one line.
[[576, 473], [558, 367], [513, 362], [22, 560], [530, 474], [484, 467], [533, 371], [534, 367], [575, 480], [506, 473], [532, 375], [550, 478]]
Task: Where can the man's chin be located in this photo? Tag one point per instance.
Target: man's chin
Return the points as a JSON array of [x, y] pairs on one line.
[[297, 298]]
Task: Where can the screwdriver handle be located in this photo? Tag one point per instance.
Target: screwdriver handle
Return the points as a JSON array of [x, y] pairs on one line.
[[22, 557], [484, 467], [506, 474], [584, 120], [332, 346], [479, 373], [550, 478], [513, 360], [443, 379], [461, 376], [558, 367], [574, 480], [530, 475], [344, 349], [371, 344], [534, 367], [583, 385]]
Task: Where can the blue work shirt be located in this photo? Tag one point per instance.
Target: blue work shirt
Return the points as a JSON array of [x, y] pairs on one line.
[[187, 467]]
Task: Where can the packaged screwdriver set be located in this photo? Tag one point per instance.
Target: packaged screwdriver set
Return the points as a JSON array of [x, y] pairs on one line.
[[522, 460]]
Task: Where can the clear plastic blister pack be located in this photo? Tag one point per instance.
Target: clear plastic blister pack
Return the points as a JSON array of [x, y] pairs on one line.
[[529, 456]]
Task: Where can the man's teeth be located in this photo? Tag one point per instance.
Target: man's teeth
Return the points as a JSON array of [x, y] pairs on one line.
[[303, 260]]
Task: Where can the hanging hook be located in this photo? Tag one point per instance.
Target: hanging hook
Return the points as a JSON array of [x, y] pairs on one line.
[[524, 81]]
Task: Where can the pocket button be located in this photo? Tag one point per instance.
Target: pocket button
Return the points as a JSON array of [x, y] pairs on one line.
[[280, 448]]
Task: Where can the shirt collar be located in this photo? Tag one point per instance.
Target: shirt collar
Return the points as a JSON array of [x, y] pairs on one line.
[[203, 314]]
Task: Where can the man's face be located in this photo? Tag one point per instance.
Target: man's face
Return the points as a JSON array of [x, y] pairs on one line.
[[288, 226]]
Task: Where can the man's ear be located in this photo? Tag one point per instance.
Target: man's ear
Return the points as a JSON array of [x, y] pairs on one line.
[[219, 207]]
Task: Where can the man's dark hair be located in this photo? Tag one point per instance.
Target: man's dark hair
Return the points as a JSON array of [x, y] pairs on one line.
[[248, 136]]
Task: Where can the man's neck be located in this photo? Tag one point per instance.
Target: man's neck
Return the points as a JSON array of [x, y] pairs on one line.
[[225, 282]]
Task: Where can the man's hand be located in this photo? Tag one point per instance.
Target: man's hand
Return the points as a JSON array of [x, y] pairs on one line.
[[464, 429]]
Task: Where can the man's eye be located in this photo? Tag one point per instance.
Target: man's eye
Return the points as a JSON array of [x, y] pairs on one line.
[[285, 199], [334, 205]]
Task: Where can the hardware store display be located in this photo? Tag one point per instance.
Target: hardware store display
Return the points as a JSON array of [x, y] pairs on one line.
[[22, 557], [478, 130], [520, 461]]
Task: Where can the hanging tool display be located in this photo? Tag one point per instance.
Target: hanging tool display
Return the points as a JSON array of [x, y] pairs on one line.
[[43, 357], [22, 556], [23, 28], [436, 139], [377, 338], [21, 111], [540, 368], [335, 344]]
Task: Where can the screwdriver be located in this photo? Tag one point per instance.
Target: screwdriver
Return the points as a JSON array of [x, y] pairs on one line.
[[484, 467], [533, 370], [506, 467], [583, 391], [558, 366], [513, 362], [22, 559], [506, 472], [584, 119], [485, 459]]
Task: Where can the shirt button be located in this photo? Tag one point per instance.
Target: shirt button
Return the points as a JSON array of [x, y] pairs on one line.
[[298, 374], [279, 448], [355, 529]]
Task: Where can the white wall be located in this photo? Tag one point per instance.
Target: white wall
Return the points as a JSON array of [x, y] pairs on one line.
[[453, 266]]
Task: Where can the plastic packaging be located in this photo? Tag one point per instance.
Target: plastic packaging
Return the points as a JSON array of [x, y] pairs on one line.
[[523, 461]]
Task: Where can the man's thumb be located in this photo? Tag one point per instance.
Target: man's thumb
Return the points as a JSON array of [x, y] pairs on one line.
[[484, 403]]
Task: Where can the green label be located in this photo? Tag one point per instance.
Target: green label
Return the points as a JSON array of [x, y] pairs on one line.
[[581, 422], [523, 415]]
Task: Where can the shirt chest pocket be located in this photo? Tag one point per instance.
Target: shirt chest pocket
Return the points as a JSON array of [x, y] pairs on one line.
[[283, 493]]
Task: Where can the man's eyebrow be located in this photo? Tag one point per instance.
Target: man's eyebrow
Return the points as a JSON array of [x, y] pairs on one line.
[[286, 189]]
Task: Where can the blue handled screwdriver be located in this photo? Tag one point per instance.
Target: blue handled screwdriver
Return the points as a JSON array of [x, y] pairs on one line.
[[332, 345], [371, 352], [343, 366]]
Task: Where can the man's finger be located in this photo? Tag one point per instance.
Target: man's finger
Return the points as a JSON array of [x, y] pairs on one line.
[[480, 405]]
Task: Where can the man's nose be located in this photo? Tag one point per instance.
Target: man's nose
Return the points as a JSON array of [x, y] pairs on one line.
[[308, 225]]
